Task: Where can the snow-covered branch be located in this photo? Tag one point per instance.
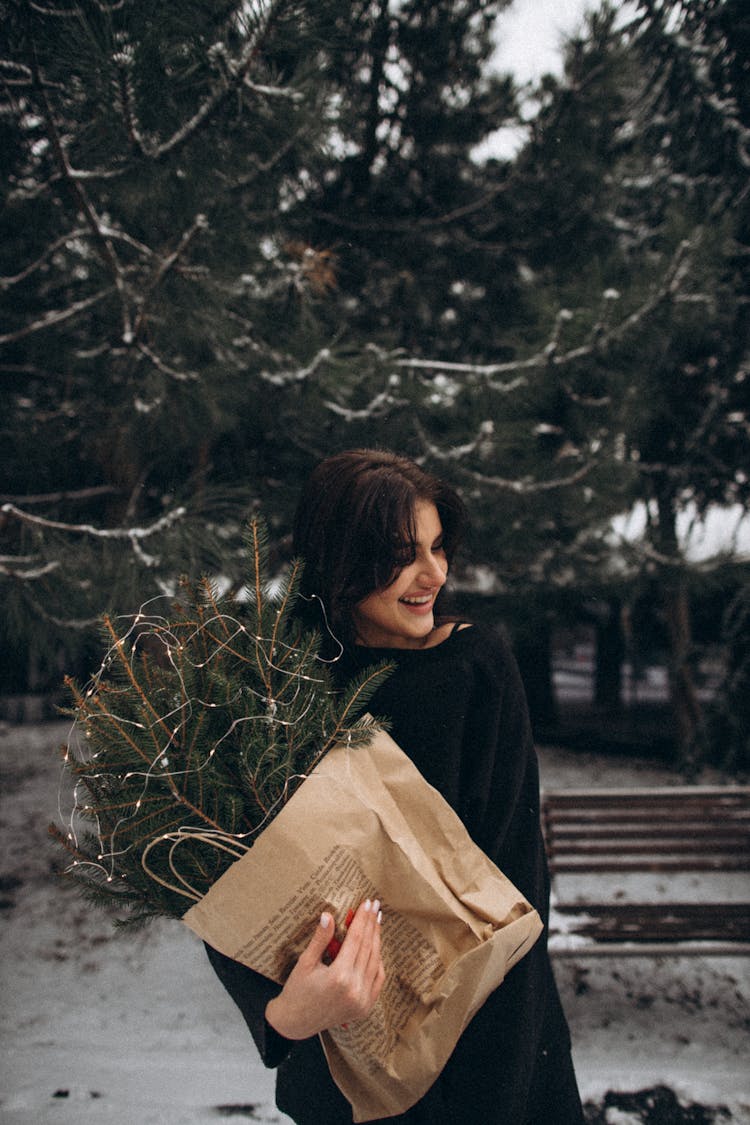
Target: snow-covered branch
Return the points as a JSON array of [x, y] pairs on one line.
[[273, 91], [165, 368], [20, 569], [298, 374], [522, 486], [458, 452], [84, 204], [379, 407], [64, 13], [55, 316], [64, 240], [481, 370], [236, 78], [600, 337], [112, 533], [643, 551], [725, 107]]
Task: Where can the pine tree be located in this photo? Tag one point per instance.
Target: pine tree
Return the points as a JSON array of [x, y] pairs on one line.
[[155, 306], [199, 727], [684, 203]]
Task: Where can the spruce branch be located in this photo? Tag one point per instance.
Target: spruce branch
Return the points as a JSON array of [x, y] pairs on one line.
[[199, 726]]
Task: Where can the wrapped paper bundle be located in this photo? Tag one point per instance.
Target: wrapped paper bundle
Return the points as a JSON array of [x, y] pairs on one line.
[[366, 824]]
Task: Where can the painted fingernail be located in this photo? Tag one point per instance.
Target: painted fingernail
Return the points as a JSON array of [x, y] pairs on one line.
[[325, 920], [376, 906], [380, 916], [368, 905]]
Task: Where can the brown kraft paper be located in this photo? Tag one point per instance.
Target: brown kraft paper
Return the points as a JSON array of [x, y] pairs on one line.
[[366, 824]]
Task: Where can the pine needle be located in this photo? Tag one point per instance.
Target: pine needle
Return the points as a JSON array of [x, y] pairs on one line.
[[197, 729]]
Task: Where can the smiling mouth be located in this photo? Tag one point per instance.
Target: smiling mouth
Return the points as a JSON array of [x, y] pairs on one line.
[[422, 600]]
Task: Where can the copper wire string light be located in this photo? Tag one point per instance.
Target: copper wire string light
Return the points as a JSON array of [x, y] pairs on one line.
[[197, 728]]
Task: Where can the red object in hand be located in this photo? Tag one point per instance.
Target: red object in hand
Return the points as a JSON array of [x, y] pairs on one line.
[[334, 945]]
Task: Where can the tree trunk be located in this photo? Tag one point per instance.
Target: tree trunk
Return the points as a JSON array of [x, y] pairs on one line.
[[686, 708], [533, 650], [610, 649]]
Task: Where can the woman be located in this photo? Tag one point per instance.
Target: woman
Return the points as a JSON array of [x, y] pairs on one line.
[[377, 535]]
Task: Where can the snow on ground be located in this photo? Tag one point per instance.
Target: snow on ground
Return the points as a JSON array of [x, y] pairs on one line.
[[125, 1029]]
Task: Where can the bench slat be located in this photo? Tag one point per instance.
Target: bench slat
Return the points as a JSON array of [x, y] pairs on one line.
[[601, 864], [666, 922], [594, 813], [731, 794], [573, 830], [645, 845]]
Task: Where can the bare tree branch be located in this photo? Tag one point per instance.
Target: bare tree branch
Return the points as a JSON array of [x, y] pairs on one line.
[[264, 166], [166, 264], [430, 222]]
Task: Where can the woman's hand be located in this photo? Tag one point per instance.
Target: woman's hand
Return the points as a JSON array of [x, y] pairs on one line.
[[317, 996]]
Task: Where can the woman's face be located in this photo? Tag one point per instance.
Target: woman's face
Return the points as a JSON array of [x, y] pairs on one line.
[[401, 615]]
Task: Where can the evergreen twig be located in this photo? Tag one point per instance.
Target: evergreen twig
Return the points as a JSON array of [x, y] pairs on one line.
[[198, 728]]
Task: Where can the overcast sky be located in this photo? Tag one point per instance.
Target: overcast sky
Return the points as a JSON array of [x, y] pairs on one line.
[[530, 34]]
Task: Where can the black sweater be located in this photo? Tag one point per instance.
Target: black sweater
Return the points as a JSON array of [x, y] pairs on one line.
[[459, 711]]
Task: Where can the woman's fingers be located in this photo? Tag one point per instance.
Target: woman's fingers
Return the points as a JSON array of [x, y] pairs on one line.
[[362, 935], [375, 969], [368, 961], [317, 994], [316, 947], [359, 966]]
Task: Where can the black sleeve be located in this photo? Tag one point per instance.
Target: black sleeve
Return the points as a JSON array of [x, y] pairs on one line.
[[251, 993], [499, 764], [513, 790]]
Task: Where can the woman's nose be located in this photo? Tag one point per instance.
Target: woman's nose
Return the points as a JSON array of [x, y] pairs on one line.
[[433, 570]]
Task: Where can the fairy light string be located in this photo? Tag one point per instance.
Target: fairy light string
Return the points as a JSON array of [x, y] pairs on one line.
[[197, 728]]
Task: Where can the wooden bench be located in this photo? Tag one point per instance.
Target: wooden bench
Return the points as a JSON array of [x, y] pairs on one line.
[[670, 832]]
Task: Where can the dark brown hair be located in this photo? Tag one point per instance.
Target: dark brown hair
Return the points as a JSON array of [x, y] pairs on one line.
[[354, 528]]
